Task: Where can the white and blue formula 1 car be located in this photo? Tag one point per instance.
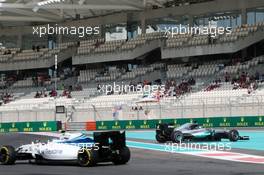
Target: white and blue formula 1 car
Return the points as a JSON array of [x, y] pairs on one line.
[[75, 148]]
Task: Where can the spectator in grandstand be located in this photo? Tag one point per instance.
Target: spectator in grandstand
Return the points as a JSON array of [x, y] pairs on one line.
[[110, 91], [6, 97], [253, 86], [98, 43], [236, 86], [44, 94], [38, 48], [158, 94], [243, 81], [132, 86], [170, 88], [53, 93], [257, 75], [69, 94], [66, 93], [7, 52], [227, 77], [37, 94], [145, 82], [78, 87], [191, 81], [98, 87], [209, 38], [213, 86]]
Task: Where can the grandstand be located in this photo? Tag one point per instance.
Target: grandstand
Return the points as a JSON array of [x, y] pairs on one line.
[[199, 75]]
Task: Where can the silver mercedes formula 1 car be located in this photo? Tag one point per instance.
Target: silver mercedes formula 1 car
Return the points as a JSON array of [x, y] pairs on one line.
[[194, 132], [75, 148]]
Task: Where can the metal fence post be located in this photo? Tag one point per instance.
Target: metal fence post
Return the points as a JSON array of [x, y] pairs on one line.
[[160, 111], [203, 109], [258, 105], [36, 115], [137, 114], [261, 106], [95, 119], [18, 117], [182, 110], [230, 107]]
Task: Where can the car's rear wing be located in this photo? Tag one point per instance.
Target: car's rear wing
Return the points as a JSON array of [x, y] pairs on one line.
[[113, 139], [165, 126], [243, 137]]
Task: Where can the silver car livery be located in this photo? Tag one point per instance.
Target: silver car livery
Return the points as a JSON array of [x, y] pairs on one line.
[[194, 132]]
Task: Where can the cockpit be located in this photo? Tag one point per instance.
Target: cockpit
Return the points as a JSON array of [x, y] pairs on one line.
[[190, 126]]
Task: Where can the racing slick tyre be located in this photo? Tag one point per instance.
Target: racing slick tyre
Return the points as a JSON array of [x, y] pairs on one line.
[[87, 157], [160, 138], [233, 135], [122, 157], [7, 155], [38, 160], [176, 136]]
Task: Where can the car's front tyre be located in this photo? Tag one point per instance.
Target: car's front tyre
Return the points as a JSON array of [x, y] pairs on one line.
[[176, 136], [7, 155], [233, 135]]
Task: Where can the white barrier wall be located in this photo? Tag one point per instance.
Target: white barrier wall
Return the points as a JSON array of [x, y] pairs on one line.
[[201, 104], [148, 112], [22, 116]]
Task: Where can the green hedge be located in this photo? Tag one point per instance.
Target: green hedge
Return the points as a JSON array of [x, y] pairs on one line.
[[253, 121], [44, 126]]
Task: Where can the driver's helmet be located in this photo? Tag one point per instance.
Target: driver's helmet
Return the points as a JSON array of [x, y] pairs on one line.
[[195, 126], [64, 136]]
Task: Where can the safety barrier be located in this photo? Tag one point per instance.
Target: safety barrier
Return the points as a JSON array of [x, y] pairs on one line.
[[248, 121], [80, 126], [44, 126], [75, 126]]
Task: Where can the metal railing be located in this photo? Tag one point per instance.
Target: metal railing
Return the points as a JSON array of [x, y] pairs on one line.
[[186, 107]]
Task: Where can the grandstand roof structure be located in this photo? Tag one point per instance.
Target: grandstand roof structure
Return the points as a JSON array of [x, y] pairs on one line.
[[58, 10], [21, 12]]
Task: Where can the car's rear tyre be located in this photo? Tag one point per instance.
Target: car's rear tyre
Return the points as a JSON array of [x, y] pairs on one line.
[[38, 160], [160, 138], [122, 156], [87, 158], [233, 135], [176, 136], [7, 155]]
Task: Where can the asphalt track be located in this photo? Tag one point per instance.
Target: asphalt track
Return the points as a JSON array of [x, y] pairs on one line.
[[145, 162]]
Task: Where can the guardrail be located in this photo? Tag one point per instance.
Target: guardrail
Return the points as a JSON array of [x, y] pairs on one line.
[[48, 126]]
